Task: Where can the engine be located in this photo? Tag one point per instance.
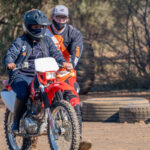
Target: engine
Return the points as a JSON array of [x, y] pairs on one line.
[[34, 120], [30, 125]]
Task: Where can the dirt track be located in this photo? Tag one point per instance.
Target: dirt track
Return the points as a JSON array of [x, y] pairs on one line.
[[104, 136]]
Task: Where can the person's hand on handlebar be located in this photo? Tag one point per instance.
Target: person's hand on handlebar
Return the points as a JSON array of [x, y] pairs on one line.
[[11, 66], [68, 66]]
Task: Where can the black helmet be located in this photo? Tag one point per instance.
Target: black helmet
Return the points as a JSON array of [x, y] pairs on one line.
[[35, 17]]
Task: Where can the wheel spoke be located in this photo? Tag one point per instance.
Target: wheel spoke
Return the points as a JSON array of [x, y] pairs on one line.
[[66, 122], [62, 122], [59, 115]]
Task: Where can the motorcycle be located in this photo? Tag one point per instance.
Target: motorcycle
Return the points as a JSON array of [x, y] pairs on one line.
[[46, 110]]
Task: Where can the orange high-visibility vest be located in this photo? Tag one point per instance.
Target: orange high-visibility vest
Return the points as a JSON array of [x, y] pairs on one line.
[[58, 41]]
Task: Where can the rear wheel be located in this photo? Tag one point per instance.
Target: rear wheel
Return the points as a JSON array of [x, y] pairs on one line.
[[14, 142], [66, 122]]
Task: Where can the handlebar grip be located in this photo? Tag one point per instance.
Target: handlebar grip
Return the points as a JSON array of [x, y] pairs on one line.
[[21, 66]]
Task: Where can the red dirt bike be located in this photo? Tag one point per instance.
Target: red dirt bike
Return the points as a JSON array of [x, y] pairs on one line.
[[46, 110]]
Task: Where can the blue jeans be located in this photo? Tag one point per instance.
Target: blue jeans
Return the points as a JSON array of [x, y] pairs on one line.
[[21, 87]]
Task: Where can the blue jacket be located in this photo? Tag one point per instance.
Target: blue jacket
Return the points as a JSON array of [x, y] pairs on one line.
[[21, 49]]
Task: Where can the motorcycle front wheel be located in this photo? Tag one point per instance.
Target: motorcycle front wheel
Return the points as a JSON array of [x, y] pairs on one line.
[[66, 122]]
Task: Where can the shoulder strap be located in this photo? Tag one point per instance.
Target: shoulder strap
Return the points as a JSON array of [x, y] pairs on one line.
[[60, 46], [49, 33]]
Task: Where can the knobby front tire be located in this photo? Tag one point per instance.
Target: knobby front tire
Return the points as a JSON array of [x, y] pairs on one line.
[[66, 122]]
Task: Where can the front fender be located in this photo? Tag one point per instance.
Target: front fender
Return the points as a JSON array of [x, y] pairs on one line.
[[55, 87]]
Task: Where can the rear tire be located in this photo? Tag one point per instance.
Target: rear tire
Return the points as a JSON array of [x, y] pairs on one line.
[[12, 141], [63, 113]]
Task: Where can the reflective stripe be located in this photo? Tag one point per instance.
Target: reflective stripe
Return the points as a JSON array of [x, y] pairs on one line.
[[48, 33], [76, 61], [58, 41], [54, 40]]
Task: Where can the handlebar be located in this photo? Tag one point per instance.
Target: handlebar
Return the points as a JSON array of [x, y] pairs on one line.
[[21, 66]]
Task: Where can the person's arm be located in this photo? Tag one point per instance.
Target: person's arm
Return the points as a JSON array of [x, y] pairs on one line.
[[76, 47], [12, 54]]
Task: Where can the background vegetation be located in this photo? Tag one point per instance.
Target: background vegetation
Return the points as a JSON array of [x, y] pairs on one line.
[[119, 31]]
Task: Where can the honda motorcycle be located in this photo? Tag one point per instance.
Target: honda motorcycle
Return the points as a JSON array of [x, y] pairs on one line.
[[46, 110]]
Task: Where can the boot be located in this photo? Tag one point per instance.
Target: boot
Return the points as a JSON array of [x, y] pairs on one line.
[[18, 111], [85, 145], [34, 143]]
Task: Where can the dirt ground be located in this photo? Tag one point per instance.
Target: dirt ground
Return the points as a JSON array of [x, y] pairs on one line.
[[104, 136]]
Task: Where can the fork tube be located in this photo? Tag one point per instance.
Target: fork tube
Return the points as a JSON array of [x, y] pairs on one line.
[[44, 97], [47, 107], [51, 121], [54, 137]]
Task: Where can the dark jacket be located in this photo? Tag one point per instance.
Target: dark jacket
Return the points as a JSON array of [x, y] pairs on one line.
[[73, 41], [21, 50]]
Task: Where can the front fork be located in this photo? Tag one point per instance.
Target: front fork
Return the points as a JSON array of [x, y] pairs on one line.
[[54, 131], [52, 124]]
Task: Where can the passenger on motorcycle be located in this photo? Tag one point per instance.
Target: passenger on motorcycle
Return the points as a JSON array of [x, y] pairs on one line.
[[69, 41], [26, 48]]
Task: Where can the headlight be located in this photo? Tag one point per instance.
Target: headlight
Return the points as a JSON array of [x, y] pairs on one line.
[[50, 75]]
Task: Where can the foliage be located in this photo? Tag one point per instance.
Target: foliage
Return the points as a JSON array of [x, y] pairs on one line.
[[11, 16], [117, 29]]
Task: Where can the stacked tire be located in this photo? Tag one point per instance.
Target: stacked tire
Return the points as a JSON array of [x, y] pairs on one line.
[[134, 113], [107, 109]]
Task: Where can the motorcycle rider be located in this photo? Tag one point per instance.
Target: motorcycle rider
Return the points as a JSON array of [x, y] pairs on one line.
[[31, 45], [69, 41]]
